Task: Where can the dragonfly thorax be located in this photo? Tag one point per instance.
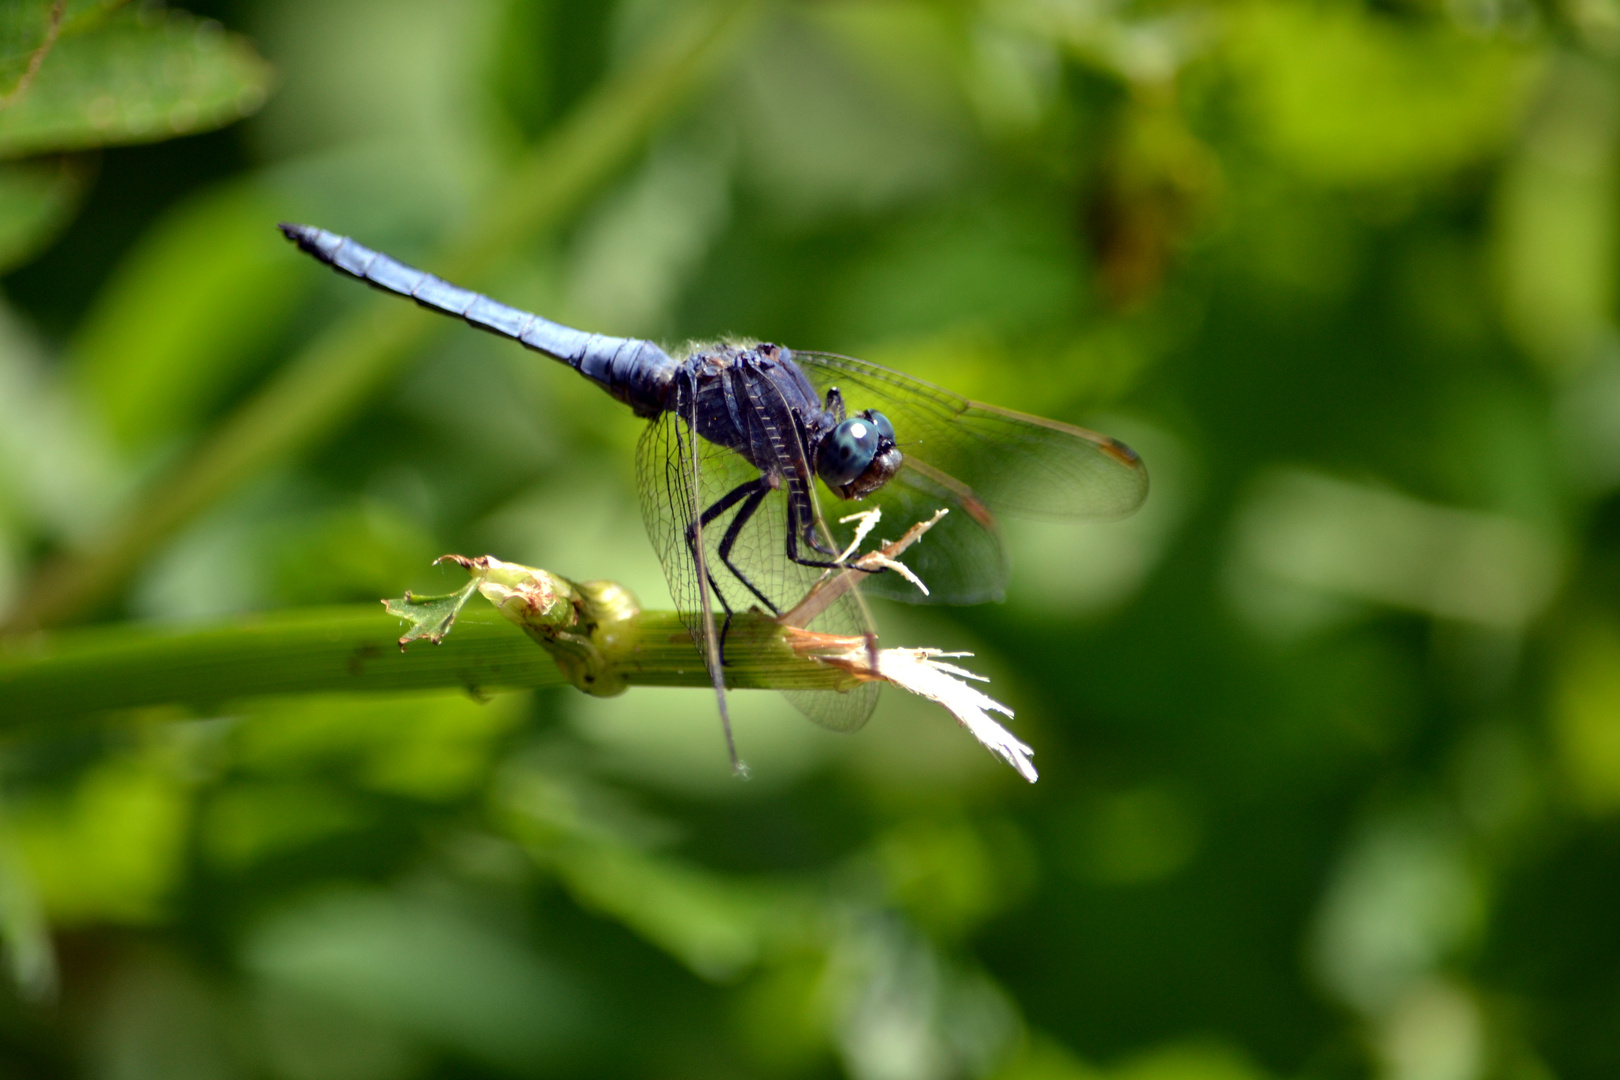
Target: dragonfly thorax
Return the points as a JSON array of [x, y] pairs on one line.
[[756, 401]]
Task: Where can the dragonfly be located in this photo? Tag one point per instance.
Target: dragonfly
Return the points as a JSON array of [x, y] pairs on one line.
[[746, 441]]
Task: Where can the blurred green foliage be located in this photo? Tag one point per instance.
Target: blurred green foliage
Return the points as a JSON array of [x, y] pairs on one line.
[[84, 74], [1329, 733]]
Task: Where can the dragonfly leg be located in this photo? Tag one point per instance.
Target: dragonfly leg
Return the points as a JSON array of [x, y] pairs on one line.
[[720, 506], [815, 542], [835, 403], [746, 511], [725, 605], [809, 539], [754, 492]]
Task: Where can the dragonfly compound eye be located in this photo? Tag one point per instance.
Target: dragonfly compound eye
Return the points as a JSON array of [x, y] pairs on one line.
[[847, 451], [885, 429]]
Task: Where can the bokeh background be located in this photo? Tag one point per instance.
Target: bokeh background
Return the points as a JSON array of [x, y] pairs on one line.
[[1329, 732]]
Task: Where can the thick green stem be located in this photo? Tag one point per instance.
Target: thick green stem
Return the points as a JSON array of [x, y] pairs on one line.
[[70, 673], [339, 370]]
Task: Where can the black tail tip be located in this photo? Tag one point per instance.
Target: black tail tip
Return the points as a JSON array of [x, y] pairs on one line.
[[298, 234]]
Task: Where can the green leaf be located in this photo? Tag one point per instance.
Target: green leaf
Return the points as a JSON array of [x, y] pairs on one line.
[[84, 15], [186, 316], [1348, 96], [36, 201], [28, 30], [111, 847], [140, 77], [29, 955], [430, 617], [1556, 222]]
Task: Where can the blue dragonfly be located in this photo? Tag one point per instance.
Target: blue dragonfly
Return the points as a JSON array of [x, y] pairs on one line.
[[744, 441]]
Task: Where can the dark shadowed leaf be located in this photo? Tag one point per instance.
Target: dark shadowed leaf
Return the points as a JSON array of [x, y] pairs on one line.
[[36, 200]]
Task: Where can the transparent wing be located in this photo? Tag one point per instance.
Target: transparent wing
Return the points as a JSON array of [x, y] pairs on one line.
[[981, 462], [961, 559], [670, 490]]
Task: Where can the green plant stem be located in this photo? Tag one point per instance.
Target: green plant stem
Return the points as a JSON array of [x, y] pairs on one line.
[[337, 372], [75, 672]]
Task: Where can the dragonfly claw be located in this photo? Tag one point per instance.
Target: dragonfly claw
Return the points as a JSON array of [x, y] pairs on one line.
[[834, 583]]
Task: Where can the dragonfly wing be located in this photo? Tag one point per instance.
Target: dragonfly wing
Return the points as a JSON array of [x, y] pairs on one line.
[[1015, 463], [671, 490], [668, 492], [961, 559], [981, 462]]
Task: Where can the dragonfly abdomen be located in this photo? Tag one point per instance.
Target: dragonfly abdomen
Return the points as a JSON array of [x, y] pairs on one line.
[[635, 372]]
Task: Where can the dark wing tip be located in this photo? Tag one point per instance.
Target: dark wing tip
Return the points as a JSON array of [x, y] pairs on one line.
[[1133, 461], [1119, 452]]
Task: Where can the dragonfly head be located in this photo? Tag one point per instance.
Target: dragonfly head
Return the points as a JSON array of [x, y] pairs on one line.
[[858, 456]]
